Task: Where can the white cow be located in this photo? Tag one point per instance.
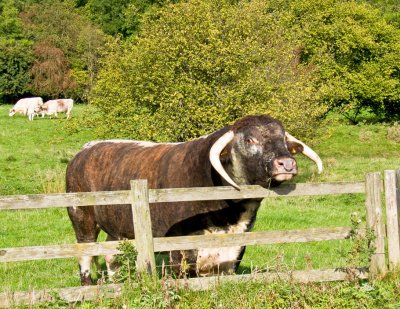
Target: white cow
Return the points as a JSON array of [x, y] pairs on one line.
[[27, 107], [52, 107]]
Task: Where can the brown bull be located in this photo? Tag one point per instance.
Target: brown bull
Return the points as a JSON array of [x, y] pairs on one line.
[[255, 150]]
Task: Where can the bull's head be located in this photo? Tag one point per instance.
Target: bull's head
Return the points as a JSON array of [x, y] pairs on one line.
[[41, 108], [12, 112], [257, 150]]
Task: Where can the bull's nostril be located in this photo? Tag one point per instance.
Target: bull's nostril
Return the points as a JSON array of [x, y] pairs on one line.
[[285, 164], [288, 164]]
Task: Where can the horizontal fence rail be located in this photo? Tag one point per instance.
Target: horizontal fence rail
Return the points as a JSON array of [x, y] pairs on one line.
[[88, 293], [139, 197], [163, 244], [60, 200]]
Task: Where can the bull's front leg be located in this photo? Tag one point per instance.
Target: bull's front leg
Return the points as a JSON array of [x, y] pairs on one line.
[[84, 267]]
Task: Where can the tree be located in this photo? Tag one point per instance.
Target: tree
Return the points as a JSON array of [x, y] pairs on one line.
[[15, 53], [390, 9], [50, 72], [10, 23], [118, 17], [15, 60], [64, 40], [196, 66], [356, 51]]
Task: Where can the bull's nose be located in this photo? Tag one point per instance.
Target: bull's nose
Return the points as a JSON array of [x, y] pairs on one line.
[[284, 165]]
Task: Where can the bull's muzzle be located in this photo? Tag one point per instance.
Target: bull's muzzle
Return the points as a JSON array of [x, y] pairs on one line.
[[284, 168]]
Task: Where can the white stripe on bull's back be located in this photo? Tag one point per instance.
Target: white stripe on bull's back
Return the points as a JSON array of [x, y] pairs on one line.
[[139, 143], [144, 144], [92, 143]]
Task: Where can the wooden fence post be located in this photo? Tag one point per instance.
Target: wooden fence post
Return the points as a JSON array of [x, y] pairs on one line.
[[398, 193], [392, 220], [142, 226], [374, 222]]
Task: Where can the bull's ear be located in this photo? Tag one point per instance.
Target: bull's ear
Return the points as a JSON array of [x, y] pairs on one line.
[[294, 147], [225, 154], [307, 151]]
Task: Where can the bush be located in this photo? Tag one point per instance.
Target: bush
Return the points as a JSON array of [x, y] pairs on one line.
[[66, 47], [199, 65], [15, 59], [393, 133], [356, 51]]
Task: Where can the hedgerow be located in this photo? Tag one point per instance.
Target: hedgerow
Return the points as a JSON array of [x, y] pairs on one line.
[[198, 65]]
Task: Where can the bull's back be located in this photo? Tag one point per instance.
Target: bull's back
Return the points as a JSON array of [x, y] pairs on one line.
[[63, 105], [109, 166], [24, 104]]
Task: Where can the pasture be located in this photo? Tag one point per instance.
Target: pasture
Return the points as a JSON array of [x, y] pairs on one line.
[[33, 158]]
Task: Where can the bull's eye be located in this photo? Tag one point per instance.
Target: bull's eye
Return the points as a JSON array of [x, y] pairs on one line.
[[252, 141]]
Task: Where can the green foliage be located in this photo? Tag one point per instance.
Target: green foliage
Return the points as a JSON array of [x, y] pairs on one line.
[[16, 55], [10, 24], [142, 291], [195, 67], [16, 58], [356, 51], [126, 262], [361, 250], [389, 8], [393, 133], [109, 15], [118, 18], [66, 49]]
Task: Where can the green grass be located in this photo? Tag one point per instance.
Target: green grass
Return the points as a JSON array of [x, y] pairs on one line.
[[303, 213], [33, 158], [288, 295], [34, 154]]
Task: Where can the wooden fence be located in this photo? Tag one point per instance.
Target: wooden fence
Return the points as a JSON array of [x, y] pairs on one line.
[[140, 196]]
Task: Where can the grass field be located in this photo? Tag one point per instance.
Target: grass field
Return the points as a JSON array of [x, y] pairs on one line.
[[34, 155]]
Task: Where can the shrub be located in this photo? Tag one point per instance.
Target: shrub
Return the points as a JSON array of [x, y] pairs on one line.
[[393, 133], [356, 51], [199, 65]]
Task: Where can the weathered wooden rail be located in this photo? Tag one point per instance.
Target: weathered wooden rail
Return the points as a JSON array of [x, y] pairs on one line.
[[140, 196]]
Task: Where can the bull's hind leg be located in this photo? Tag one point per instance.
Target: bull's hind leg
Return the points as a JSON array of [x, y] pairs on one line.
[[112, 265], [86, 230]]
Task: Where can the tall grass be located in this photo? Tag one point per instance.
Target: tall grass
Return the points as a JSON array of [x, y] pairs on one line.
[[33, 158]]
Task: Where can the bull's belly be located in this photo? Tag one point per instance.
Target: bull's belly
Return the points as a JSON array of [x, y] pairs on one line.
[[116, 221], [207, 261], [217, 260], [222, 260]]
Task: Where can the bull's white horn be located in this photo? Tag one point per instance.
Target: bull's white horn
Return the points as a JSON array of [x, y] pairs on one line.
[[215, 152], [307, 151]]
